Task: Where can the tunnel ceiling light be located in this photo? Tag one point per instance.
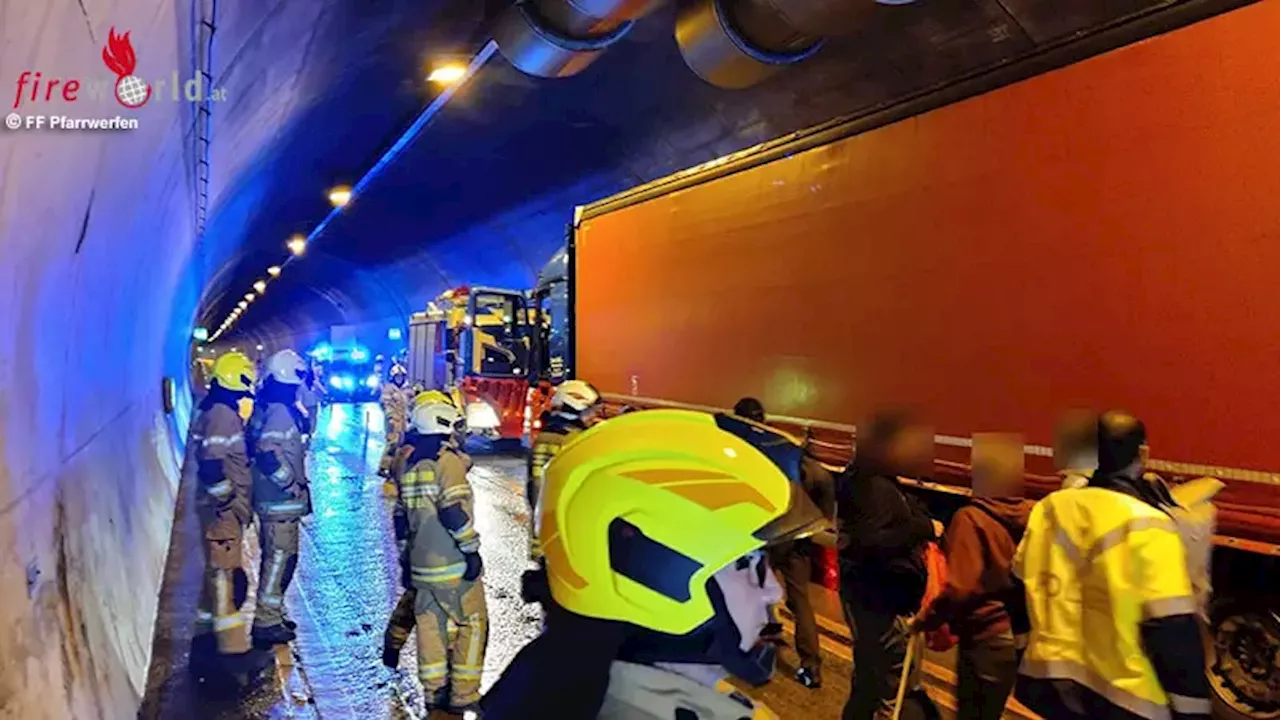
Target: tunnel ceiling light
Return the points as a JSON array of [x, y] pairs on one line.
[[448, 74], [260, 286], [250, 297], [274, 271], [297, 244], [340, 196], [243, 305]]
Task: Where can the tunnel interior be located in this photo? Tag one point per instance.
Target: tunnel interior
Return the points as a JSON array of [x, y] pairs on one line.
[[114, 246]]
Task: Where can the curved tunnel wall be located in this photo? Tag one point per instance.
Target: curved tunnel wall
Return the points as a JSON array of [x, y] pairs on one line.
[[96, 292], [101, 277]]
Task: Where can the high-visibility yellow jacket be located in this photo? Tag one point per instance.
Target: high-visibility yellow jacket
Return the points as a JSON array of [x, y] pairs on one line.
[[1099, 565]]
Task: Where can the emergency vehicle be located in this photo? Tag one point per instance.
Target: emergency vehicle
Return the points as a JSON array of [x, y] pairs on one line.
[[474, 343]]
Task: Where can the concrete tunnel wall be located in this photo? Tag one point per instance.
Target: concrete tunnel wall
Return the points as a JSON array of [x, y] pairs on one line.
[[100, 279]]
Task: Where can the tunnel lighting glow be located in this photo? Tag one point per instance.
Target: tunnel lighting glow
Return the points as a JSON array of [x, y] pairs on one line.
[[340, 196], [297, 244], [260, 348], [250, 297], [394, 334], [274, 271], [243, 305], [260, 286], [450, 74]]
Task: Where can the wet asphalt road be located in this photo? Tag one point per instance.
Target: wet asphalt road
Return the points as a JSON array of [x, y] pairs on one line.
[[347, 582]]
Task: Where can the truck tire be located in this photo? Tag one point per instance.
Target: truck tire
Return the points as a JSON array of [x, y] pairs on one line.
[[1244, 658]]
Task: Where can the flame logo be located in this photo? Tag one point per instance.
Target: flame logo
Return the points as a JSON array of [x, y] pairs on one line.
[[131, 90]]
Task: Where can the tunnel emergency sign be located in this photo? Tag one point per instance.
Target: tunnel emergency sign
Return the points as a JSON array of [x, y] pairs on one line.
[[200, 334]]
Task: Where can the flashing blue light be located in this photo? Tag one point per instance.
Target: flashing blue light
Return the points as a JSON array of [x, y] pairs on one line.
[[371, 382], [359, 355], [394, 334]]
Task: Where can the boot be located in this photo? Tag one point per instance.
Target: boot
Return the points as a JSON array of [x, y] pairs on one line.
[[390, 657], [266, 637], [204, 655], [246, 667]]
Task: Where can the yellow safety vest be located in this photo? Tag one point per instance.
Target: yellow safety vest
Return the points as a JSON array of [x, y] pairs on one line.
[[1097, 563]]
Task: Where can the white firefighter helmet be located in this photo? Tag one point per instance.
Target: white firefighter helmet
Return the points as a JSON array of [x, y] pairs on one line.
[[398, 369], [287, 367], [436, 419], [576, 395]]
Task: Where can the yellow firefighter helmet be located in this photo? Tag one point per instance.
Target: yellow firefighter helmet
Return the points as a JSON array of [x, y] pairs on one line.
[[233, 371], [638, 513], [430, 397]]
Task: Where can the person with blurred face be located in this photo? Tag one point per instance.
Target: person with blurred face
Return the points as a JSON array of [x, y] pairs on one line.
[[1114, 632], [1075, 447], [883, 576], [983, 604]]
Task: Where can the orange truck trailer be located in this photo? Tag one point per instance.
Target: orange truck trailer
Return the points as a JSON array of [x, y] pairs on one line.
[[1106, 234]]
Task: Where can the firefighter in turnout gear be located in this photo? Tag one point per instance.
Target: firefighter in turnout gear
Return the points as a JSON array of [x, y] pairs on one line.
[[395, 409], [216, 463], [1114, 632], [402, 620], [656, 527], [574, 407], [281, 493], [444, 591]]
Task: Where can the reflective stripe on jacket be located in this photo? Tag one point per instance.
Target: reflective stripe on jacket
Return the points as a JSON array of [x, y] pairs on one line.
[[1097, 564], [436, 551], [280, 487], [216, 442]]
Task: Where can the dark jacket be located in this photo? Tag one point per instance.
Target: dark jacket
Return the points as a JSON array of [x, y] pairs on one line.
[[982, 598], [882, 531]]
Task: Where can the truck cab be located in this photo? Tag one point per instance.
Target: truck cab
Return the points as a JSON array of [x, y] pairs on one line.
[[474, 343]]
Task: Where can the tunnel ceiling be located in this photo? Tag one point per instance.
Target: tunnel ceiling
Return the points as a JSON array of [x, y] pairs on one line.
[[483, 194]]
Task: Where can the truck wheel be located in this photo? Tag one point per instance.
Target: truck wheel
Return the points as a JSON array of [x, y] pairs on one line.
[[1244, 659]]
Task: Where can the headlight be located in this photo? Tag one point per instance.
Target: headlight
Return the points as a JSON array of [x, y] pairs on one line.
[[348, 383], [336, 382], [482, 416], [371, 382]]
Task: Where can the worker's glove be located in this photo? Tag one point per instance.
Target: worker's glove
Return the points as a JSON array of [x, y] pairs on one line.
[[475, 566]]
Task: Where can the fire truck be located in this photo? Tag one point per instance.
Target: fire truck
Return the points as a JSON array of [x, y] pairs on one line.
[[989, 265], [474, 343]]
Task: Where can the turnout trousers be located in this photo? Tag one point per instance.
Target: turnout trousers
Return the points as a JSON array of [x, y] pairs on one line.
[[278, 539]]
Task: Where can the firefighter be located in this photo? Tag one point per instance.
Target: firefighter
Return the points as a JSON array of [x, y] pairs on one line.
[[444, 569], [395, 408], [1113, 613], [658, 579], [575, 406], [217, 464], [281, 493], [402, 619]]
